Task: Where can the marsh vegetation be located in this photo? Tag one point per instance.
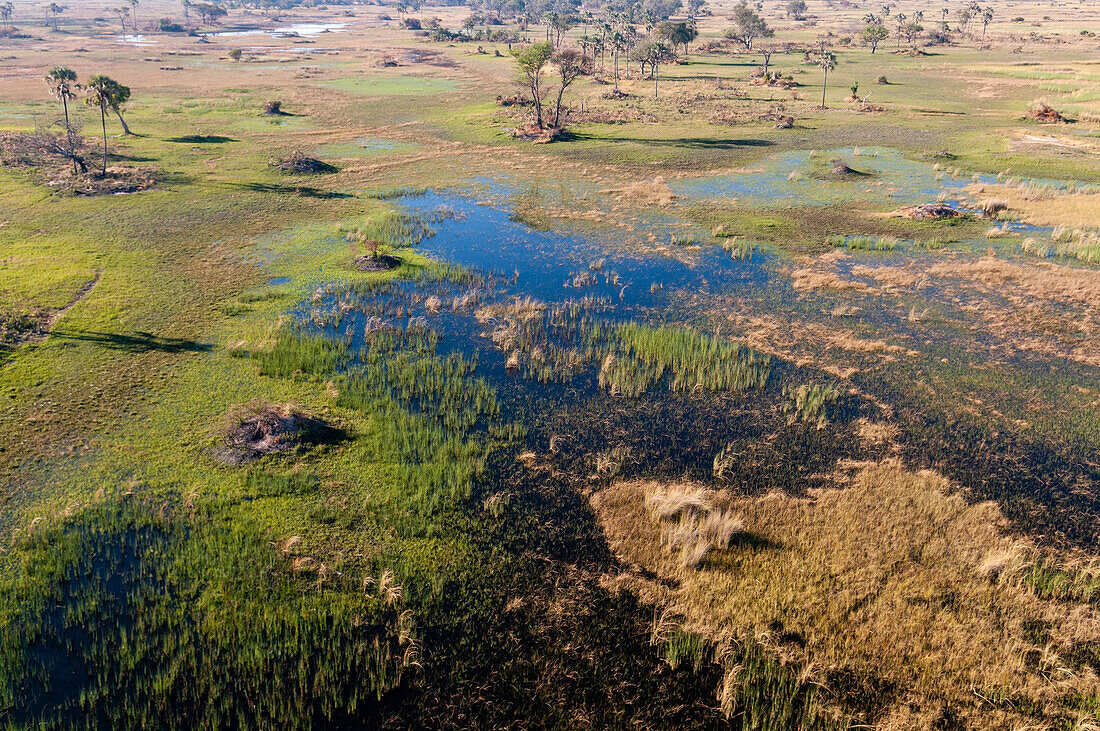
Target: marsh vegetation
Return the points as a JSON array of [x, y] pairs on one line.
[[706, 379]]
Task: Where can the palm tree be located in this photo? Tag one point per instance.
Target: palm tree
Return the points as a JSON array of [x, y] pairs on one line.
[[100, 90], [5, 12], [660, 52], [133, 14], [55, 10], [987, 18], [61, 81], [619, 43], [826, 61], [120, 94]]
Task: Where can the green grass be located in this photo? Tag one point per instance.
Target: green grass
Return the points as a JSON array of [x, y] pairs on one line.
[[391, 85], [1049, 580]]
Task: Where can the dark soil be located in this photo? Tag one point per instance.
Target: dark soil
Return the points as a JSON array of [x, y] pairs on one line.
[[841, 168]]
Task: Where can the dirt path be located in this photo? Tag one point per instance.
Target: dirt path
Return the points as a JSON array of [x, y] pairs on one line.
[[47, 324]]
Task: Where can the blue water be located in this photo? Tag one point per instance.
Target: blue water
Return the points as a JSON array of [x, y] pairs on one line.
[[545, 264]]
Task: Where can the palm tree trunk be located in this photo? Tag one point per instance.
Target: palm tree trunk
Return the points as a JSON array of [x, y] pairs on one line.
[[68, 128], [824, 85], [103, 121], [125, 127]]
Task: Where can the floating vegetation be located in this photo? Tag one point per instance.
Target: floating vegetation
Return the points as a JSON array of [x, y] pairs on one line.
[[756, 689], [395, 230], [738, 248], [389, 194], [640, 356]]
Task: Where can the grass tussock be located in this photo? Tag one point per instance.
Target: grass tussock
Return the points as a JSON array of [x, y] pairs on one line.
[[692, 524]]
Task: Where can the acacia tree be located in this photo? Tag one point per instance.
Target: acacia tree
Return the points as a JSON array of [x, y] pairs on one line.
[[748, 26], [911, 31], [796, 9], [209, 13], [572, 64], [874, 34], [122, 12], [6, 10], [532, 62], [99, 91], [826, 61], [678, 33], [61, 81]]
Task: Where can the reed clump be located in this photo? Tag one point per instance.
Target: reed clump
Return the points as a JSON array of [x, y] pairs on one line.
[[806, 404]]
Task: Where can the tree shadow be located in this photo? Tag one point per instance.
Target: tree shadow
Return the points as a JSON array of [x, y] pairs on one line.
[[134, 342], [129, 158], [698, 143], [202, 139], [303, 190]]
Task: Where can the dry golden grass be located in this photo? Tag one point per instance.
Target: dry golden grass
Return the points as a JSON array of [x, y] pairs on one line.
[[890, 576], [654, 192], [1046, 207]]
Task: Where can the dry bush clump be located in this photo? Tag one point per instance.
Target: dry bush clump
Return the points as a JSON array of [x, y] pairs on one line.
[[992, 206], [1045, 114], [47, 155], [934, 211], [298, 163], [258, 429]]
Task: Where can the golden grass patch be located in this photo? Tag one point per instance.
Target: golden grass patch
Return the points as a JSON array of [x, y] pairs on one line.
[[890, 576], [1046, 207]]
